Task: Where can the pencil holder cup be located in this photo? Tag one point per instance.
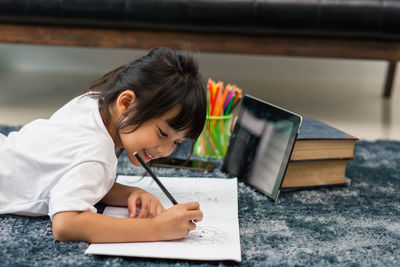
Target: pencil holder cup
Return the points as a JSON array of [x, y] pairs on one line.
[[214, 140]]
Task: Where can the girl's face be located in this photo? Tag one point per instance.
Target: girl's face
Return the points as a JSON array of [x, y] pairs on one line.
[[153, 139]]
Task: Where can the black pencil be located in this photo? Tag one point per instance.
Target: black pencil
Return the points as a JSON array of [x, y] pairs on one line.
[[147, 168]]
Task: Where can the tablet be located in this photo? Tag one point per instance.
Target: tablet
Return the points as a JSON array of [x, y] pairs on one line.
[[261, 145]]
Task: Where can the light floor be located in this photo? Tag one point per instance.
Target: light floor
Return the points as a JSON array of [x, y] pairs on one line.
[[36, 80]]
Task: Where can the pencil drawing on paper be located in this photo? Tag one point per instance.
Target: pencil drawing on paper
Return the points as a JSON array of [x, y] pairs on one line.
[[202, 197], [216, 236], [197, 196], [207, 235]]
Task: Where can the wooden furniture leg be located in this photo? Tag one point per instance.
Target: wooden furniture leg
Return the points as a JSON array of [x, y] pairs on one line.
[[390, 75]]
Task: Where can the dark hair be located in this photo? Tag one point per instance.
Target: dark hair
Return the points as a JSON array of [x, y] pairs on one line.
[[161, 80]]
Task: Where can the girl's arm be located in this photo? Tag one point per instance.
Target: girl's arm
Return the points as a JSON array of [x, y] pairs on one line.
[[118, 195], [133, 197], [174, 223]]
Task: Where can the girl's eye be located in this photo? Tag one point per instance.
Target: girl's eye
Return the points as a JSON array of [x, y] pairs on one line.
[[163, 134]]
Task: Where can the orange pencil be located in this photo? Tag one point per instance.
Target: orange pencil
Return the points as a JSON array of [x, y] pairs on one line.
[[218, 96], [221, 102]]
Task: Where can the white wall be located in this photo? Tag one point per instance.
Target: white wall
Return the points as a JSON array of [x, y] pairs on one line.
[[338, 91]]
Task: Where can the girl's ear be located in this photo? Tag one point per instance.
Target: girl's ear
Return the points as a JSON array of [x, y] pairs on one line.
[[125, 100]]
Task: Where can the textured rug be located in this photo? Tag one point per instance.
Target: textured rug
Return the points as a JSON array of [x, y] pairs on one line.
[[353, 225]]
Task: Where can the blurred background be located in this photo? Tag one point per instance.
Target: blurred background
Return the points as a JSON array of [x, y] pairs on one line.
[[37, 80]]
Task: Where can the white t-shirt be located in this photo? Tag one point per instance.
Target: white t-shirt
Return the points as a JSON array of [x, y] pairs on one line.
[[65, 163]]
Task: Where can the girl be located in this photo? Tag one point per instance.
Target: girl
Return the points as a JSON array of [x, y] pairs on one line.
[[65, 165]]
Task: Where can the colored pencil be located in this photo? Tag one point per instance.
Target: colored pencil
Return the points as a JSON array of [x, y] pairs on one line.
[[221, 101]]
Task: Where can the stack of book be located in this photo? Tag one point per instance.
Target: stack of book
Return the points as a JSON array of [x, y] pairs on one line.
[[319, 157]]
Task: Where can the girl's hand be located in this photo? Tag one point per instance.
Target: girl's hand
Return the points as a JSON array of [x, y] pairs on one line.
[[149, 205], [177, 221]]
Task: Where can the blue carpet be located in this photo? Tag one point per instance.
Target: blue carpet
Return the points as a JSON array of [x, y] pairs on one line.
[[353, 225]]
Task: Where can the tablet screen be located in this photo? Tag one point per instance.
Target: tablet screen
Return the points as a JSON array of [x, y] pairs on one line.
[[261, 145]]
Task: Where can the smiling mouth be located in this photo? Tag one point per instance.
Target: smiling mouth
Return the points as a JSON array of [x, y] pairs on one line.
[[148, 155]]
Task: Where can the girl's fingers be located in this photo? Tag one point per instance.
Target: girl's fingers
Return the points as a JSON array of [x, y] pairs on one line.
[[191, 226], [132, 208], [194, 216], [192, 205], [153, 209], [160, 209], [148, 207], [157, 209], [144, 211]]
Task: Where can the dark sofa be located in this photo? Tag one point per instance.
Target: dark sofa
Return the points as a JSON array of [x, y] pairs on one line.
[[362, 29]]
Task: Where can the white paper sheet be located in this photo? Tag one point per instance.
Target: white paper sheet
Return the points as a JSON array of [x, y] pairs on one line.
[[216, 237]]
